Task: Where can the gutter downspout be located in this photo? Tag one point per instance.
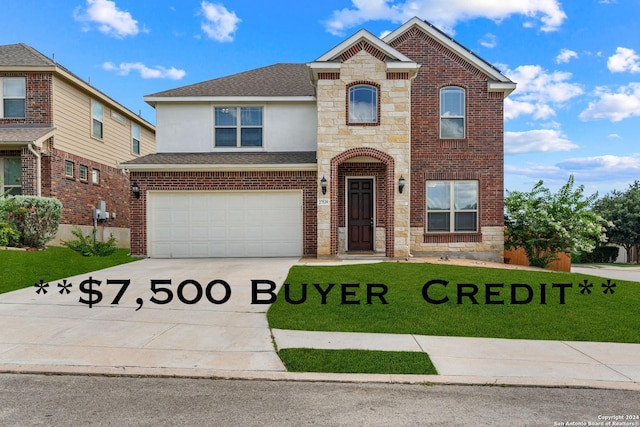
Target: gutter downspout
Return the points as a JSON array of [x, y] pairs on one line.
[[38, 170]]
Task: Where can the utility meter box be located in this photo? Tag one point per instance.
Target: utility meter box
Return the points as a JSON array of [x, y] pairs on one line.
[[101, 213]]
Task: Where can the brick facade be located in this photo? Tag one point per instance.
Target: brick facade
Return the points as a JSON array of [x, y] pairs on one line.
[[479, 156], [38, 102], [80, 196], [220, 181]]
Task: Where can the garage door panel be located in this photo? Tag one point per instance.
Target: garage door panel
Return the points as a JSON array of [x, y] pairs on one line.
[[225, 224]]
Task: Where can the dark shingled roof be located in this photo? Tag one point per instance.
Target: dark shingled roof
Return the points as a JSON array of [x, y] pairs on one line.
[[22, 55], [274, 80], [250, 158]]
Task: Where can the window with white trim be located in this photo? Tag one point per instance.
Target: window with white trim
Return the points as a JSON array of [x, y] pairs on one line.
[[13, 94], [452, 112], [238, 126], [135, 138], [95, 176], [97, 119], [83, 172], [69, 168], [363, 104], [452, 206], [10, 176]]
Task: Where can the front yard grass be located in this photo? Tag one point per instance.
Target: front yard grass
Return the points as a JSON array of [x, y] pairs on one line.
[[588, 314], [21, 269], [356, 361]]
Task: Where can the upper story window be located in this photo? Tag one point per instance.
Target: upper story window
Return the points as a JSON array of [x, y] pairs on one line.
[[452, 116], [452, 206], [238, 126], [363, 104], [97, 119], [13, 92], [135, 138]]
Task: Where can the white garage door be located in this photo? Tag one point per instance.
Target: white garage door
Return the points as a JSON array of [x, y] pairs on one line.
[[190, 224]]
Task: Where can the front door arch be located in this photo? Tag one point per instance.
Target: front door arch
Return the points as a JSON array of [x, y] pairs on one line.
[[389, 163]]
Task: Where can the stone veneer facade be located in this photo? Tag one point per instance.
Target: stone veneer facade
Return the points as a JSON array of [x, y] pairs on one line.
[[386, 143]]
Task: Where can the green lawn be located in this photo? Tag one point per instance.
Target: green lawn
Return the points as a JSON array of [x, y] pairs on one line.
[[594, 316], [21, 269], [356, 361]]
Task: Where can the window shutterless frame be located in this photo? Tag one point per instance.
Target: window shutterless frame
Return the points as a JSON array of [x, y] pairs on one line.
[[97, 119], [452, 206], [238, 126], [363, 104], [452, 113], [13, 93]]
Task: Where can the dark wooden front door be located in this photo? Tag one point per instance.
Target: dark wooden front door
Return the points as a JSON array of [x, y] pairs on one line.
[[360, 214]]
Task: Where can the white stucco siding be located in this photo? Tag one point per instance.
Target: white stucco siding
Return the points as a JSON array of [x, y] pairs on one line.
[[184, 128], [189, 127]]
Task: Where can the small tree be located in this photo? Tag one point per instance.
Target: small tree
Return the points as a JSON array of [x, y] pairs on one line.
[[544, 224], [623, 210]]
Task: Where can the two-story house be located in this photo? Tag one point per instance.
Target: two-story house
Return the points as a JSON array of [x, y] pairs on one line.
[[389, 146], [61, 137]]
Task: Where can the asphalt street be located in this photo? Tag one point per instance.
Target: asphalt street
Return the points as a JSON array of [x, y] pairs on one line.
[[125, 401]]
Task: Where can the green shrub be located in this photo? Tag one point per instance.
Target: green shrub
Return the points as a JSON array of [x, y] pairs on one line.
[[601, 255], [9, 236], [35, 218], [88, 246]]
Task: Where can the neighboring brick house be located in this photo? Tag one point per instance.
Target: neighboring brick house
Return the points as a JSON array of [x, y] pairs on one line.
[[388, 146], [61, 137]]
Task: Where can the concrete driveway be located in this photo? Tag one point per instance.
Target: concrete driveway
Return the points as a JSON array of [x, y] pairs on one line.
[[38, 331]]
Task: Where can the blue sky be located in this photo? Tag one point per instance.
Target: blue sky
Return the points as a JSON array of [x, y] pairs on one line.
[[577, 63]]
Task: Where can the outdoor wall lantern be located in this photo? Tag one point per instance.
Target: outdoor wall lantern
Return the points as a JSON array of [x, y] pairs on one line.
[[135, 189], [401, 183], [323, 184]]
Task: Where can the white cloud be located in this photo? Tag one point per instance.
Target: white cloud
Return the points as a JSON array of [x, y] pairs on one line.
[[220, 24], [624, 60], [536, 141], [597, 166], [612, 106], [538, 92], [601, 173], [156, 72], [565, 56], [489, 41], [109, 19], [445, 14]]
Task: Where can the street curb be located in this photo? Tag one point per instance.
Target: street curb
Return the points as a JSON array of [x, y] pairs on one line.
[[126, 371]]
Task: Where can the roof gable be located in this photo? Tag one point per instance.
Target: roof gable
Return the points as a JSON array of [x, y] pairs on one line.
[[499, 82], [363, 40]]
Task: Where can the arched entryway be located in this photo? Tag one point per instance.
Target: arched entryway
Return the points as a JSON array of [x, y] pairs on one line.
[[357, 175]]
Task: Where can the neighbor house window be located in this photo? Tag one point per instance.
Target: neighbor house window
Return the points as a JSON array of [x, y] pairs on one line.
[[83, 172], [135, 138], [452, 113], [363, 104], [95, 176], [13, 94], [97, 117], [68, 168], [10, 176], [238, 126], [452, 206]]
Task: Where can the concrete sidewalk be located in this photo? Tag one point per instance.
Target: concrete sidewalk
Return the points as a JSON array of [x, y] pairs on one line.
[[507, 361]]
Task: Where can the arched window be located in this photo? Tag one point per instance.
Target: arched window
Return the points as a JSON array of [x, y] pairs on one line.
[[452, 115], [363, 104]]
